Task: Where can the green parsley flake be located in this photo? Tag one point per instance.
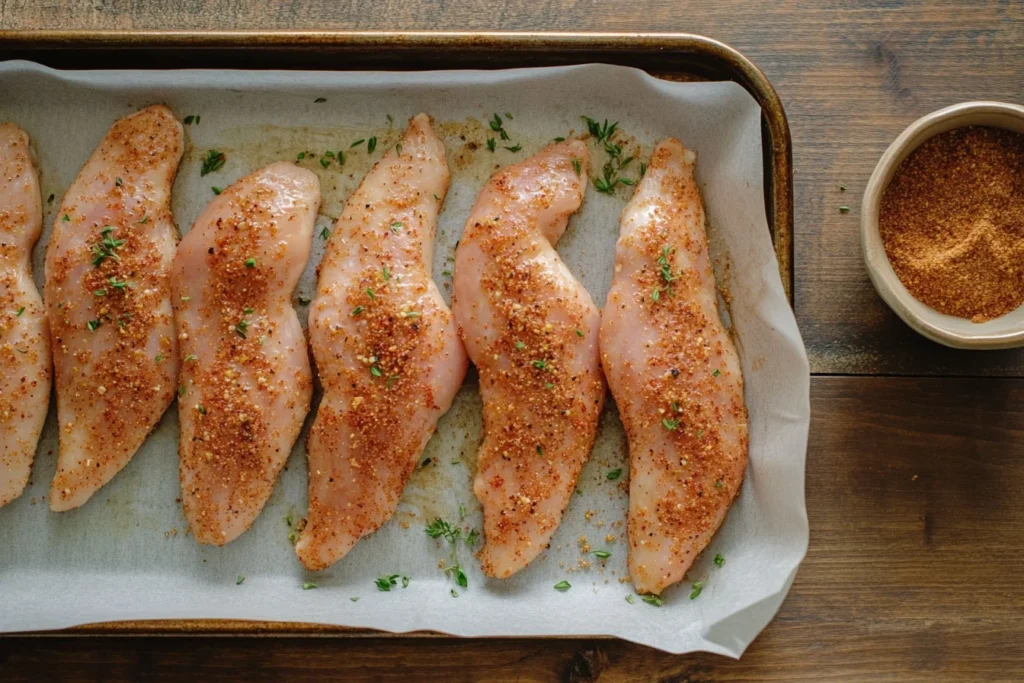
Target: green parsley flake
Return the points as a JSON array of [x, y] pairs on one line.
[[563, 586], [614, 474]]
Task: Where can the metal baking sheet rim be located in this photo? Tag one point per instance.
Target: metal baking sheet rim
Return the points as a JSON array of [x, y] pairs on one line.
[[716, 60]]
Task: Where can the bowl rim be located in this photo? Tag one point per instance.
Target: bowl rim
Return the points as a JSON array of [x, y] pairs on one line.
[[930, 322]]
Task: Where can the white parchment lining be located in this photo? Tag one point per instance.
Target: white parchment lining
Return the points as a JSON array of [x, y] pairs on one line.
[[125, 555]]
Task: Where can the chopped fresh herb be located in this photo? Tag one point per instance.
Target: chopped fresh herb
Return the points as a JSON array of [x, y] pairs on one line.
[[369, 293], [99, 292], [213, 161], [320, 100], [603, 554], [520, 345], [191, 356], [492, 144], [643, 169], [354, 598], [630, 599], [93, 324], [719, 560], [49, 200], [670, 425], [325, 233], [371, 145], [579, 333], [356, 311], [118, 284], [19, 311], [305, 301], [652, 600], [145, 219], [426, 461], [454, 593], [118, 182], [385, 583], [614, 474], [698, 586], [656, 295], [540, 450], [375, 371], [396, 226], [405, 582], [197, 119], [842, 187], [240, 580], [719, 483], [325, 162], [496, 123], [186, 298], [189, 119], [182, 390], [308, 586], [300, 156], [563, 586], [159, 357], [390, 120], [107, 247], [341, 157], [446, 273], [248, 311], [716, 373], [241, 328], [398, 149], [844, 209], [549, 386], [329, 154], [293, 537], [410, 314], [560, 139], [540, 364], [508, 116], [66, 218], [515, 148], [201, 409], [577, 166], [357, 143], [250, 263]]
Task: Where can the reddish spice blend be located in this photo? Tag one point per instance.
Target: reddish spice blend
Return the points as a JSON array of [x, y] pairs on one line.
[[952, 222]]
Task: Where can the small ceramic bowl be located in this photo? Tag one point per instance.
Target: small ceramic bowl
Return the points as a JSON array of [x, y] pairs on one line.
[[1004, 332]]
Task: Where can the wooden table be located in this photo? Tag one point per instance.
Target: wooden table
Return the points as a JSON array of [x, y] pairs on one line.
[[915, 476]]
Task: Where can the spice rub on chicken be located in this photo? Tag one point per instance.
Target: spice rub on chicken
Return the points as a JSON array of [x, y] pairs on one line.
[[386, 347], [24, 337], [674, 373], [108, 302], [245, 384], [531, 329]]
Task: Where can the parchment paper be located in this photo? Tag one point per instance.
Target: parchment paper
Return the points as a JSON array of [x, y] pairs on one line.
[[126, 554]]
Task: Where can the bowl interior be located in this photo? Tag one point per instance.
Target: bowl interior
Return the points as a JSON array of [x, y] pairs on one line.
[[1002, 332]]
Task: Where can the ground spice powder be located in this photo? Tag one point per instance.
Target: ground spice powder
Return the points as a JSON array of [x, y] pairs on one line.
[[952, 222]]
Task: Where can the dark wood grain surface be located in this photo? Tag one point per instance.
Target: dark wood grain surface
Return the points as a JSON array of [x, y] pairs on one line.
[[916, 457]]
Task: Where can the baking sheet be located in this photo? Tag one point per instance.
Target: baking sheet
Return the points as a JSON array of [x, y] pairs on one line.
[[126, 554]]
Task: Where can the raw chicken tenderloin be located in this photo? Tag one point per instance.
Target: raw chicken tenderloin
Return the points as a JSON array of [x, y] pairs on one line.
[[531, 329], [245, 379], [109, 305], [386, 348], [674, 373], [24, 337]]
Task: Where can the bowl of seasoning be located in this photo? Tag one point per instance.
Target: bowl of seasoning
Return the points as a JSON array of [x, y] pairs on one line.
[[942, 226]]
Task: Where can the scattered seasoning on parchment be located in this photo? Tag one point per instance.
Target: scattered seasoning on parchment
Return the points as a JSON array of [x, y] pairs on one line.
[[952, 222]]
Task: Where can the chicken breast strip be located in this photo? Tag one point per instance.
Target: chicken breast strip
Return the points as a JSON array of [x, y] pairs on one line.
[[674, 373], [24, 337], [108, 301], [386, 348], [531, 329], [246, 383]]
